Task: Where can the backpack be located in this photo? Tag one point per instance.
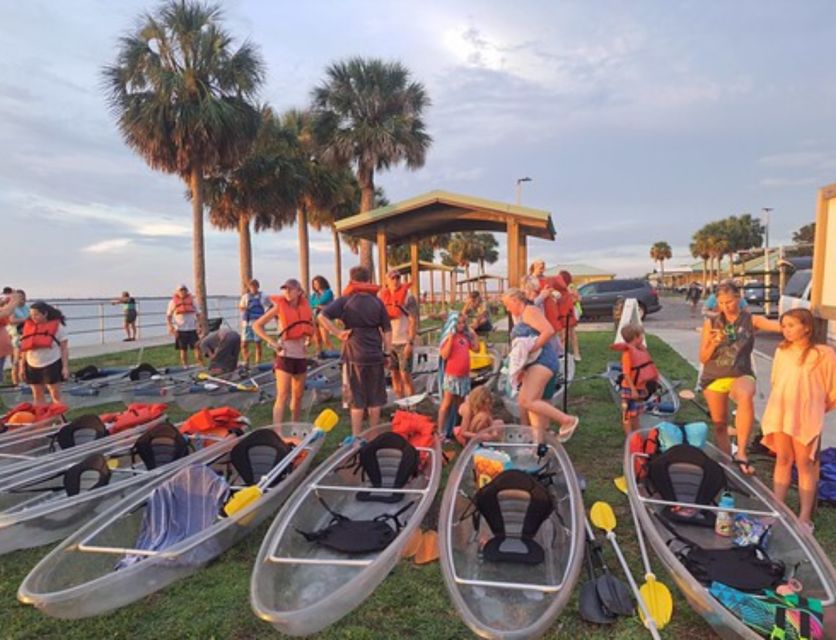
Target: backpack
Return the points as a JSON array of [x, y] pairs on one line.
[[746, 568]]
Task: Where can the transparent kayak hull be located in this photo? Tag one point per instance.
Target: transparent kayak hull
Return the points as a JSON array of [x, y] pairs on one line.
[[788, 542], [78, 578], [301, 587], [507, 600]]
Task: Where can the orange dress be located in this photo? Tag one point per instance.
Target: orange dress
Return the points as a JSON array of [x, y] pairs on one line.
[[801, 394]]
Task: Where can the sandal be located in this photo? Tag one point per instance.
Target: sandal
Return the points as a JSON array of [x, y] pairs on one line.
[[743, 465], [566, 433]]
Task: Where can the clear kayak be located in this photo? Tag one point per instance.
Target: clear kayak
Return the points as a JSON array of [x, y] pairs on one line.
[[664, 404], [300, 585], [43, 504], [800, 559], [509, 400], [108, 563], [511, 583]]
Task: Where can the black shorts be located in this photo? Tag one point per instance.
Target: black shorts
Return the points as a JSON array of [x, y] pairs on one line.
[[185, 340], [130, 317], [50, 374], [293, 366], [364, 385]]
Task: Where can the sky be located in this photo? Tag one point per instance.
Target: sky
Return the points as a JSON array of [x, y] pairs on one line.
[[637, 122]]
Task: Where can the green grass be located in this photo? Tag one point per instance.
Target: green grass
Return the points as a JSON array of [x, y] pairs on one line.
[[412, 601]]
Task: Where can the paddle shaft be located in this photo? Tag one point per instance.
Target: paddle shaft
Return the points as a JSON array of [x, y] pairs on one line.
[[566, 366], [236, 385], [648, 572], [651, 624]]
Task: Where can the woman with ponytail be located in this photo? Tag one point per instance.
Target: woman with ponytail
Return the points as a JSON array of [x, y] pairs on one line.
[[45, 352]]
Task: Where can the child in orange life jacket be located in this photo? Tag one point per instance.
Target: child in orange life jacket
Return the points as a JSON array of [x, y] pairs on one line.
[[455, 351], [477, 415], [639, 375], [45, 353]]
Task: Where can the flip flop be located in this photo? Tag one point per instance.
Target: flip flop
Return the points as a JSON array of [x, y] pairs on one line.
[[448, 455], [428, 549], [413, 544], [743, 465], [566, 433]]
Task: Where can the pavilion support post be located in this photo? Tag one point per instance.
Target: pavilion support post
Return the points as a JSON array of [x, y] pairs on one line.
[[523, 268], [513, 253], [432, 291], [415, 284], [381, 256], [444, 289]]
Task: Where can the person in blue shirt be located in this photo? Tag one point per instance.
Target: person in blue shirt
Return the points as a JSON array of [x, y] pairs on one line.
[[321, 296], [253, 305]]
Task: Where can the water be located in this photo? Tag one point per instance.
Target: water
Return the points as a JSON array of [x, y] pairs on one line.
[[92, 321]]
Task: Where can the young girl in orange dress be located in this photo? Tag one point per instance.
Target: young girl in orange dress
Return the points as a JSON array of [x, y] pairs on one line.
[[803, 390]]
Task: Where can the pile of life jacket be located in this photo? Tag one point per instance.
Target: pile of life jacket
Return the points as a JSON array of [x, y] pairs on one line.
[[134, 415], [27, 413], [417, 429], [218, 422]]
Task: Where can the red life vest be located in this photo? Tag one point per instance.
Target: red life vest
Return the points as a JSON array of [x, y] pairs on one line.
[[418, 429], [219, 422], [39, 335], [37, 412], [361, 287], [394, 302], [296, 322], [641, 364], [648, 445], [183, 304], [134, 415]]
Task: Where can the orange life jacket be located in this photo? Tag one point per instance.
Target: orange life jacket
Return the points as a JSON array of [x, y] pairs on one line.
[[649, 445], [39, 335], [38, 412], [395, 302], [641, 364], [134, 415], [183, 304], [417, 429], [214, 422], [296, 322], [361, 287]]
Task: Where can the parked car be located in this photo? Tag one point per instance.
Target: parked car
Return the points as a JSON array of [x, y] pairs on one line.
[[797, 294], [598, 298], [755, 294]]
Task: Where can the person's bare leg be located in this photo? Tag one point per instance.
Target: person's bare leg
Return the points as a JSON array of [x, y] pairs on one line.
[[531, 393], [54, 392], [297, 391], [443, 409], [37, 394], [257, 352], [282, 394], [782, 474], [576, 349], [357, 421], [397, 385], [199, 356], [808, 478], [245, 353], [743, 395], [374, 416], [407, 384], [718, 407], [184, 357]]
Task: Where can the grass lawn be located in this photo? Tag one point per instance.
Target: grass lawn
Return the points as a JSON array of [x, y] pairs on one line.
[[412, 601]]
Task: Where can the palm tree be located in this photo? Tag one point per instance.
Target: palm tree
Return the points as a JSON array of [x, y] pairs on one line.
[[463, 249], [180, 94], [699, 249], [369, 115], [659, 252]]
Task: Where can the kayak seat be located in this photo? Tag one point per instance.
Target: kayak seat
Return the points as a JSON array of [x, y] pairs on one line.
[[90, 372], [159, 446], [143, 371], [389, 461], [255, 455], [82, 430], [89, 474], [684, 473], [514, 505]]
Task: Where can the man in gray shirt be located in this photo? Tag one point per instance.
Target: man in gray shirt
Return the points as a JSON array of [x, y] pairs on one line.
[[221, 347]]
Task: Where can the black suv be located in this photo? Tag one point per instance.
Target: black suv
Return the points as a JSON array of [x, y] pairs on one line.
[[755, 293], [598, 298]]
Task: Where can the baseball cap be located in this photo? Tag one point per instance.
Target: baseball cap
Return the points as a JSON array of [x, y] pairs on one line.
[[291, 283], [393, 273], [183, 286]]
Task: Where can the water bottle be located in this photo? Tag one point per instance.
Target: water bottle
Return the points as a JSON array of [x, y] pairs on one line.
[[724, 525]]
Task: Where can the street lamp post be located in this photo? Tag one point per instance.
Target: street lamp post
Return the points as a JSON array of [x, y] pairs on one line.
[[519, 188], [767, 280]]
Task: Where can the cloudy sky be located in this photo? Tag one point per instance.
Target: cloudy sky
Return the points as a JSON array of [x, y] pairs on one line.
[[637, 121]]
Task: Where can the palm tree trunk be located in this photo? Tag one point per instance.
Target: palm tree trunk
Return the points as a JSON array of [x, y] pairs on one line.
[[304, 247], [198, 252], [245, 252], [365, 176], [704, 274], [662, 269], [338, 261]]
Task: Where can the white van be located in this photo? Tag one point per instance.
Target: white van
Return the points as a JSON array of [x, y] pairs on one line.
[[797, 294]]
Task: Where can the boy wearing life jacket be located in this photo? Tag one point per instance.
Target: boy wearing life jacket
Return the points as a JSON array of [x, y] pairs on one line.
[[253, 305], [402, 309], [44, 351], [639, 376], [182, 317]]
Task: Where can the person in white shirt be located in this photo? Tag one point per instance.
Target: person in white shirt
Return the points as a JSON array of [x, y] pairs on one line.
[[182, 318], [45, 352], [253, 305]]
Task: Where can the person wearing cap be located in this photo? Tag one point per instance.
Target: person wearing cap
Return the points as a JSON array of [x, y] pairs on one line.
[[129, 309], [367, 339], [182, 317], [254, 304], [402, 308], [293, 313], [476, 311]]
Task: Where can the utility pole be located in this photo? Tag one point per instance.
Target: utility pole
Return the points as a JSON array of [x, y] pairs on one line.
[[767, 280], [519, 188]]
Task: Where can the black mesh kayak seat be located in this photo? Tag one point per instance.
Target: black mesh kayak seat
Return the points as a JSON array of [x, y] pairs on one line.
[[389, 461], [81, 430], [160, 445], [89, 474], [257, 453], [90, 372], [685, 473], [143, 371], [515, 505]]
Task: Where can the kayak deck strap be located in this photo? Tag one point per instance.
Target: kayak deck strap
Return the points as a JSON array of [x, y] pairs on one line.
[[334, 562], [519, 586]]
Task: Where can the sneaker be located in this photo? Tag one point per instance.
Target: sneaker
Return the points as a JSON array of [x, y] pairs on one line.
[[577, 358]]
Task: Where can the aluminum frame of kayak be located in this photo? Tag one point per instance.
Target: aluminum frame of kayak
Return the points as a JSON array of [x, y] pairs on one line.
[[41, 449], [512, 405], [533, 605], [33, 523], [103, 589], [346, 581], [652, 414], [816, 572]]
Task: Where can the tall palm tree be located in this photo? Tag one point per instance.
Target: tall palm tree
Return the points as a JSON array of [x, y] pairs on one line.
[[369, 116], [181, 96], [464, 248], [659, 252], [699, 249]]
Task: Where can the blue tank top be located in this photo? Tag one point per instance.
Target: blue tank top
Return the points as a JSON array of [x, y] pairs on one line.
[[548, 355]]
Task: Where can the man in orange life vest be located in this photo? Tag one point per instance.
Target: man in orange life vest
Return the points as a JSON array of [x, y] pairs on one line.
[[182, 317], [367, 339], [402, 308]]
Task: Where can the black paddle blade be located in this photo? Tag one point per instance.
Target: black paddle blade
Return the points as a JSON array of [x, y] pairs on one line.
[[590, 606], [614, 595]]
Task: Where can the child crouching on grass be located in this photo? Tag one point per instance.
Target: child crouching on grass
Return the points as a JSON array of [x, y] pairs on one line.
[[803, 390], [455, 351], [639, 376], [477, 415]]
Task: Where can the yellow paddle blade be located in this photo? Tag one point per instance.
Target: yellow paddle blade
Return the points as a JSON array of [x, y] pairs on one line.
[[241, 499], [202, 375], [413, 544], [621, 484], [112, 463], [326, 420], [428, 550], [602, 516], [657, 598]]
